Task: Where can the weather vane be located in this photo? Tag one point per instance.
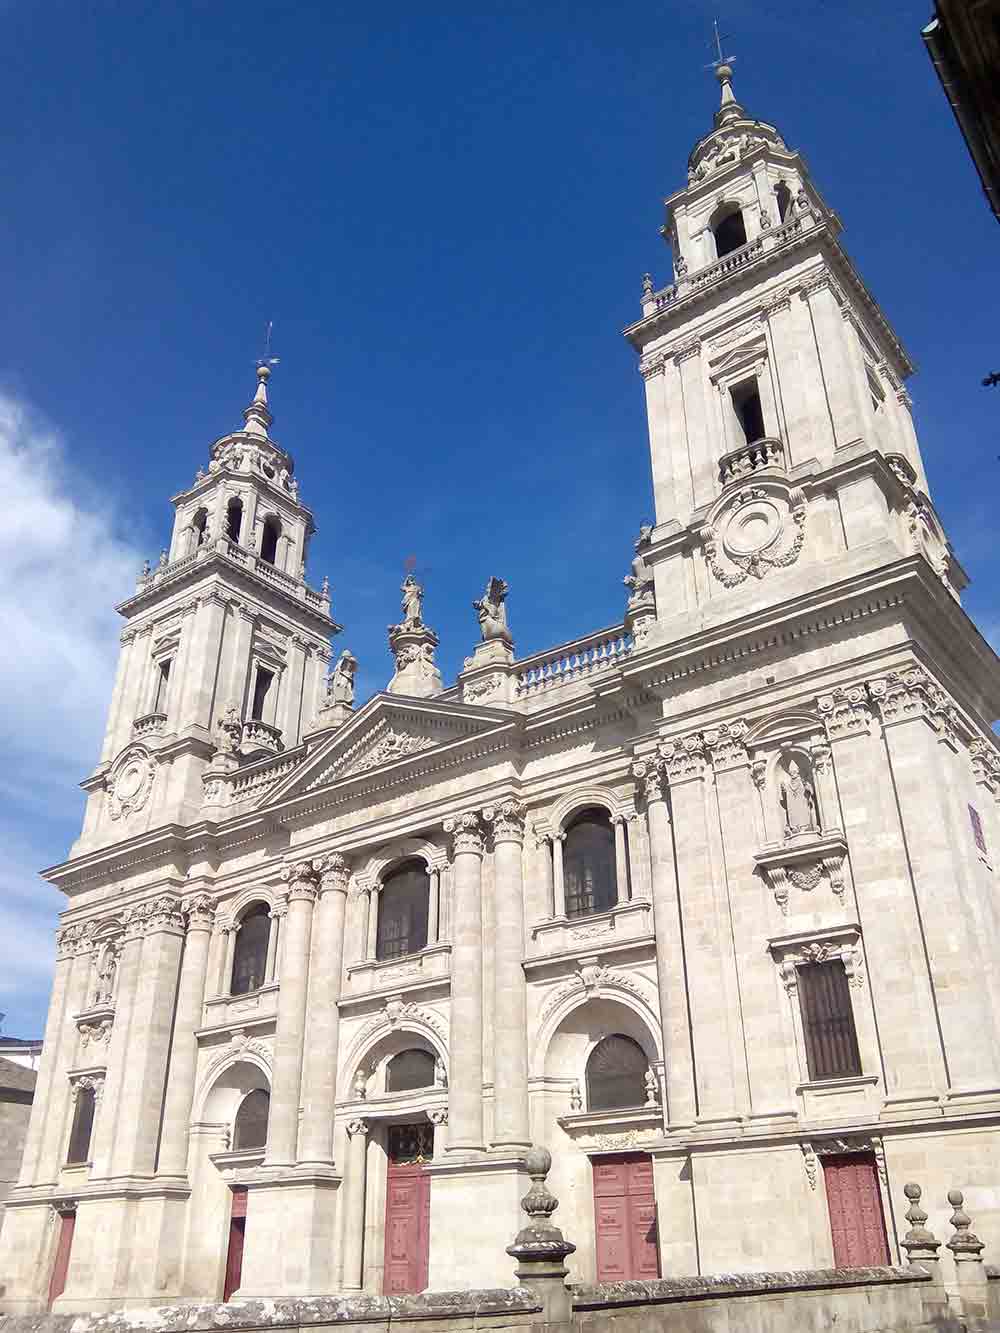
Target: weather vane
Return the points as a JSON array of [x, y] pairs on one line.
[[267, 359], [720, 59]]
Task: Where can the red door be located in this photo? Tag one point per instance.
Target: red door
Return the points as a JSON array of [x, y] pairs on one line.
[[855, 1204], [234, 1252], [625, 1215], [60, 1264], [407, 1209]]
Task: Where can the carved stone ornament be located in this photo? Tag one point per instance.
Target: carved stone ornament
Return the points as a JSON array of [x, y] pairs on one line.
[[507, 818], [96, 1032], [843, 943], [492, 611], [335, 872], [810, 1163], [438, 1115], [483, 688], [985, 764], [725, 147], [649, 778], [93, 1080], [846, 712], [903, 695], [466, 833], [684, 758], [302, 878], [757, 530], [357, 1126], [725, 744], [200, 911], [129, 783]]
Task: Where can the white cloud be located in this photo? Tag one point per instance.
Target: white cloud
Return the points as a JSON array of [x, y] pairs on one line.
[[63, 567]]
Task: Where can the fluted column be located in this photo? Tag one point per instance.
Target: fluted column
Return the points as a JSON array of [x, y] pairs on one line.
[[355, 1175], [319, 1075], [510, 1016], [465, 1090], [675, 1018], [621, 860], [558, 883], [200, 910], [283, 1125]]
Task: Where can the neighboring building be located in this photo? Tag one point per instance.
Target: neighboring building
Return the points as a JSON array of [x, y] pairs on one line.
[[705, 901], [17, 1088], [963, 40], [20, 1050]]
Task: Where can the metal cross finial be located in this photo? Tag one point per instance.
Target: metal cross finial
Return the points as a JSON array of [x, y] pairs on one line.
[[267, 359], [720, 59]]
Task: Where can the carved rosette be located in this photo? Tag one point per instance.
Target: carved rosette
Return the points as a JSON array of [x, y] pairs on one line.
[[200, 911], [758, 529], [302, 878], [335, 873], [649, 779], [507, 818], [466, 833]]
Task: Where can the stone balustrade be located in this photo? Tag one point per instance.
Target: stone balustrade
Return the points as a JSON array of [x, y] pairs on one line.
[[686, 283], [572, 662], [150, 724], [751, 458], [296, 587], [261, 737]]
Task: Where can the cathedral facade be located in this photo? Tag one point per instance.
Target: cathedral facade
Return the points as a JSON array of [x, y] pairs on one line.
[[704, 902]]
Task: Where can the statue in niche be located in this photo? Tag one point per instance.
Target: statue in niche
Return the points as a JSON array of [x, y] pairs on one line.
[[440, 1077], [640, 581], [798, 801], [491, 610], [413, 596], [652, 1091], [340, 683], [360, 1085], [107, 969]]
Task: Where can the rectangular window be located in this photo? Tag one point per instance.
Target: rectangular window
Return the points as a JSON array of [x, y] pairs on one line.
[[262, 684], [162, 680], [83, 1125], [828, 1021], [749, 413]]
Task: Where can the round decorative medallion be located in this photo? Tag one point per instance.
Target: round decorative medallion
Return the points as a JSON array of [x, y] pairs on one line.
[[129, 782], [753, 528], [756, 530]]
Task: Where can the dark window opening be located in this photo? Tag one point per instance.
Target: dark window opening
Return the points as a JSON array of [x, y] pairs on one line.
[[234, 519], [750, 414], [730, 233], [200, 524], [402, 912], [83, 1126], [411, 1143], [409, 1070], [262, 683], [250, 950], [162, 680], [269, 540], [828, 1021], [589, 864], [616, 1075], [784, 197], [250, 1125]]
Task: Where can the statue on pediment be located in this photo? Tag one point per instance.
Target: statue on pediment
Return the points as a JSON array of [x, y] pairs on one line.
[[413, 596], [340, 683], [492, 612], [639, 580]]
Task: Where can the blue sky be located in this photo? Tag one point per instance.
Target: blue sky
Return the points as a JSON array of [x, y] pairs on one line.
[[446, 208]]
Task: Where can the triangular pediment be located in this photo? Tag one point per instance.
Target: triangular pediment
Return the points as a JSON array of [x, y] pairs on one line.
[[388, 730]]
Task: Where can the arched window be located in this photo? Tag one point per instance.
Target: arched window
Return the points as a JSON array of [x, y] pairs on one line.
[[269, 539], [730, 232], [250, 1126], [234, 518], [250, 953], [199, 525], [784, 197], [616, 1075], [402, 911], [83, 1125], [589, 864], [408, 1070]]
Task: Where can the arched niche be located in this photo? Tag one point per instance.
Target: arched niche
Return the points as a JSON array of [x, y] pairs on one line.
[[581, 1030], [585, 798], [364, 1067], [227, 1084]]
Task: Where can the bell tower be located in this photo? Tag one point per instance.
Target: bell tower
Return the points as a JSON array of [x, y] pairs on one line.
[[224, 627], [783, 450]]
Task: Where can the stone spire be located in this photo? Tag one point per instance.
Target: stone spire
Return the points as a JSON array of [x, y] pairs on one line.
[[257, 416], [730, 109]]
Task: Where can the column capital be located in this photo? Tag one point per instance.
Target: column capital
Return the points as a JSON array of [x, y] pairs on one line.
[[901, 696], [335, 872], [846, 712], [357, 1126], [507, 818], [650, 779], [94, 1081], [200, 910], [302, 878], [466, 832], [726, 744], [684, 758]]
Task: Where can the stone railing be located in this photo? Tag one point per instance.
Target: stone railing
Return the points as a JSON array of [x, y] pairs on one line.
[[150, 724], [269, 571], [258, 779], [261, 737], [572, 662], [750, 458], [297, 587]]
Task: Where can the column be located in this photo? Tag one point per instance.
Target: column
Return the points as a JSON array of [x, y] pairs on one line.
[[319, 1074], [200, 911], [465, 1090], [434, 907], [140, 1099], [675, 1019], [372, 941], [621, 860], [510, 1013], [274, 927], [355, 1176], [558, 883], [282, 1138], [229, 933], [549, 885]]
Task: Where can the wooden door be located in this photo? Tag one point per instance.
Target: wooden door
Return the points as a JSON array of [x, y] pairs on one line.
[[625, 1217], [407, 1210], [60, 1264], [855, 1203], [234, 1250]]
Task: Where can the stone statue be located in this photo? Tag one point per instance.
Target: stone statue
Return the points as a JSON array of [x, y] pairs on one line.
[[440, 1077], [649, 1081], [492, 612], [106, 970], [413, 596], [230, 731], [640, 580], [360, 1085], [798, 800], [340, 683]]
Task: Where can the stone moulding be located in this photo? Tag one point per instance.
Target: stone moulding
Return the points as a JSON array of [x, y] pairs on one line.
[[802, 863], [660, 1290]]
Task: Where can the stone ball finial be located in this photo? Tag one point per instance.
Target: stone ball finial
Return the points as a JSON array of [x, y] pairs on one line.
[[912, 1192], [538, 1162], [965, 1244], [723, 72], [264, 373], [956, 1198]]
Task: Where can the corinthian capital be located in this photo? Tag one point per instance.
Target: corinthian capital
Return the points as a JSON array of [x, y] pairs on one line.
[[335, 872], [684, 758], [725, 744], [649, 778], [466, 832], [507, 818], [200, 909], [302, 878]]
